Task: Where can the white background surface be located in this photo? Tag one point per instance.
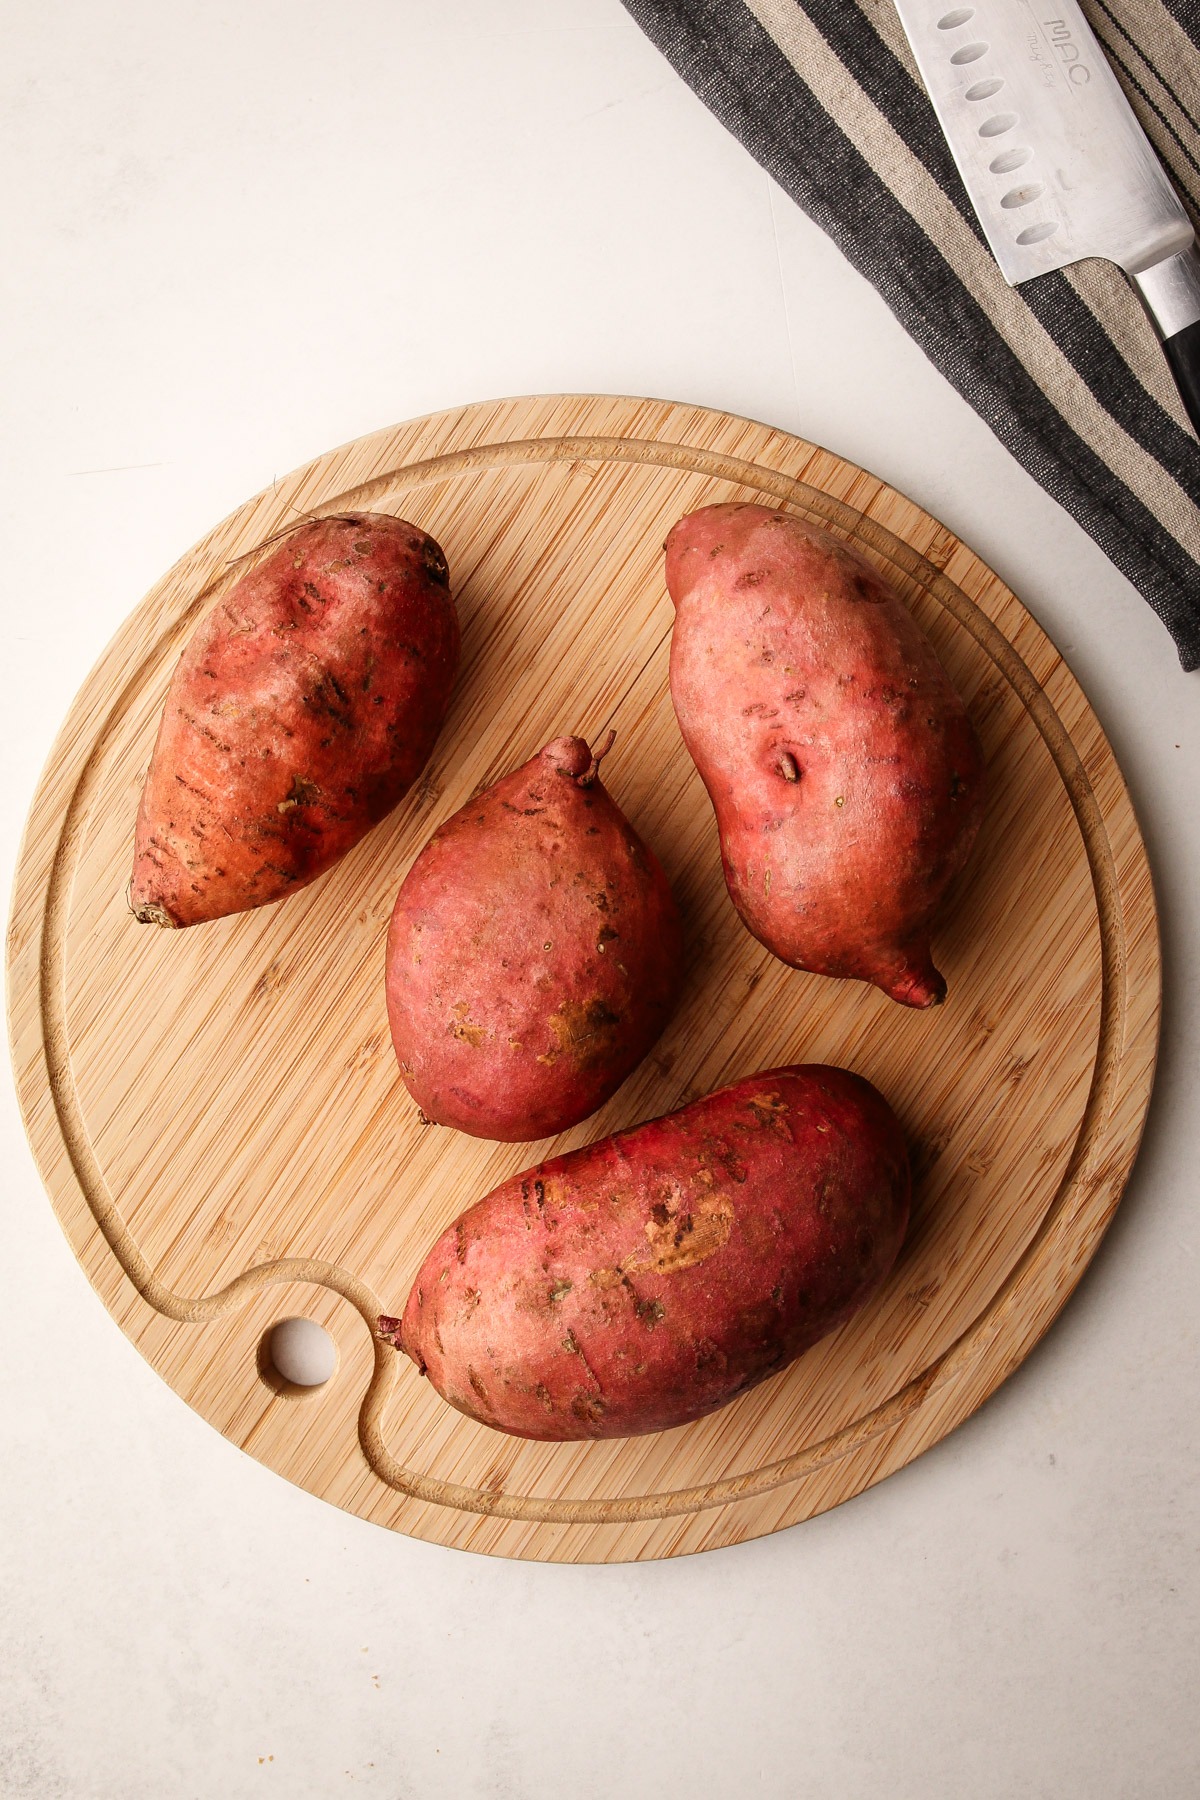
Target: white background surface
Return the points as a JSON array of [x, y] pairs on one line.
[[236, 237]]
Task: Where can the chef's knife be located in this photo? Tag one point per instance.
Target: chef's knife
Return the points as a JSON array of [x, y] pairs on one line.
[[1053, 157]]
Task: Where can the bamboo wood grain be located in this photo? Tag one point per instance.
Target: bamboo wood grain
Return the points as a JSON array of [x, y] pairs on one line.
[[217, 1113]]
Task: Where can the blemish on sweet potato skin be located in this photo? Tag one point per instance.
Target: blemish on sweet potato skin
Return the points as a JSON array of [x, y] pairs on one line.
[[665, 1270], [303, 707]]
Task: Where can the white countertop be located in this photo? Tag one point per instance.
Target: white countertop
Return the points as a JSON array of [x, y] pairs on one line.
[[243, 235]]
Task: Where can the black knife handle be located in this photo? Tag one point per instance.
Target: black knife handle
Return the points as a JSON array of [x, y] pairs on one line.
[[1183, 353], [1170, 292]]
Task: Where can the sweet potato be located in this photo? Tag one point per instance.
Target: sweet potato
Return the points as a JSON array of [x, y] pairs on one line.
[[534, 953], [303, 707], [846, 777], [648, 1279]]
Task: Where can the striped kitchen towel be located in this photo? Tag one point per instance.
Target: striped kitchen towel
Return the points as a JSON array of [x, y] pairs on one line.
[[1065, 369]]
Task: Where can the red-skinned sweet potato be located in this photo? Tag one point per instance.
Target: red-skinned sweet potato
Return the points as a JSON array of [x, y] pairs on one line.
[[846, 777], [303, 707], [649, 1278], [534, 954]]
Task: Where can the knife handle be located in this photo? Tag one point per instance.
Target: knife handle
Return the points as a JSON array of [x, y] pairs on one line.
[[1183, 353], [1170, 292]]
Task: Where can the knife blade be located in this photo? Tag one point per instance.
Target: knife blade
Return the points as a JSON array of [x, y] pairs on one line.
[[1054, 160]]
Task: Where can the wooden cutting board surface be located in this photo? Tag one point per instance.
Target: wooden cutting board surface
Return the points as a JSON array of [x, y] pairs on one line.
[[219, 1119]]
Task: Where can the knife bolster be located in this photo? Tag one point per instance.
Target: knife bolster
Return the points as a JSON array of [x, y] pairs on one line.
[[1170, 292]]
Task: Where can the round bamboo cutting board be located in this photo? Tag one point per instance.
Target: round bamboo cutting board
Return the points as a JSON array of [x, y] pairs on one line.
[[218, 1115]]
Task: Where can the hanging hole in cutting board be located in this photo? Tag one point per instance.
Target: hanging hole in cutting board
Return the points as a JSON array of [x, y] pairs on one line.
[[296, 1357]]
